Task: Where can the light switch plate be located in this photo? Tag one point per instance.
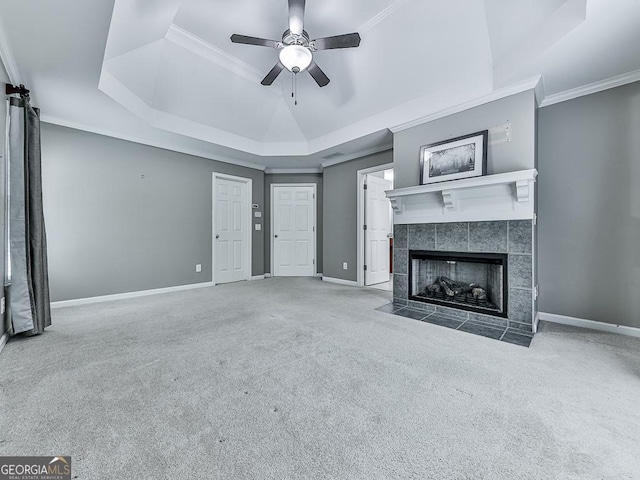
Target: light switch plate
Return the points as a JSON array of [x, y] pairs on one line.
[[257, 214], [258, 226]]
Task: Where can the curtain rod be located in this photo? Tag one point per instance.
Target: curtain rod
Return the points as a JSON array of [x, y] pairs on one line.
[[12, 89]]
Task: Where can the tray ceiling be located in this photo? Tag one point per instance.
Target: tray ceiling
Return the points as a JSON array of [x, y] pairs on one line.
[[177, 80], [183, 74]]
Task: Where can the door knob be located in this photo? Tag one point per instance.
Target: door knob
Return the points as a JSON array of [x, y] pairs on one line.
[[276, 236], [217, 236]]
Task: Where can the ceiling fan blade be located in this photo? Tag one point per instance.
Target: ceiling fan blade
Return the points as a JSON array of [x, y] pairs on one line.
[[261, 42], [348, 40], [273, 74], [318, 75], [296, 16]]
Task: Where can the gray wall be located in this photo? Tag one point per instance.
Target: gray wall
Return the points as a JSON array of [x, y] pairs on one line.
[[589, 207], [4, 79], [503, 157], [291, 178], [112, 231], [340, 215]]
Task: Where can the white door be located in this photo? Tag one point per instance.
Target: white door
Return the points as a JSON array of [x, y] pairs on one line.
[[293, 236], [378, 228], [231, 232]]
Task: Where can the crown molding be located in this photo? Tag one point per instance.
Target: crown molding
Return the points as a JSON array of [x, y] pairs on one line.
[[115, 89], [359, 154], [210, 52], [530, 84], [204, 154], [591, 88], [146, 141], [382, 15], [539, 92], [277, 171], [111, 86], [8, 60]]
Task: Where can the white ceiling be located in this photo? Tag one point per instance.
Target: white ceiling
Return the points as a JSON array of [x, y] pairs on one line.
[[164, 72]]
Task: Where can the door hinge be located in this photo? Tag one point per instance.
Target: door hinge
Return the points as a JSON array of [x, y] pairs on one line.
[[365, 267], [314, 261], [365, 186], [535, 219], [364, 227]]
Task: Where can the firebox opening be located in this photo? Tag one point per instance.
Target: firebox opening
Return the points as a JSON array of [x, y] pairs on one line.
[[468, 281]]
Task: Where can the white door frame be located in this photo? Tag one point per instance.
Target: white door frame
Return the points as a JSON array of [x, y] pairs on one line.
[[360, 216], [315, 222], [249, 200]]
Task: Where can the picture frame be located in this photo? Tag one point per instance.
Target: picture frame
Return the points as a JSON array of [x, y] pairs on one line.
[[454, 159]]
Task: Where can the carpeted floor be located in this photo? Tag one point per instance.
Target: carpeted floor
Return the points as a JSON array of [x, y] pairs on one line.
[[296, 378]]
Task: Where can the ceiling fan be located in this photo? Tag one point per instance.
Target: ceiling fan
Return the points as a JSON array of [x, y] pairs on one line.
[[296, 50]]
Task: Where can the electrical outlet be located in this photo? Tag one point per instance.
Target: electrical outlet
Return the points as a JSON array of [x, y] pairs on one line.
[[2, 307], [198, 268], [344, 266]]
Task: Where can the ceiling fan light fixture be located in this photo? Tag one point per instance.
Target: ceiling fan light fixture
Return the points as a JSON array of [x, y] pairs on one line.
[[296, 50], [296, 58]]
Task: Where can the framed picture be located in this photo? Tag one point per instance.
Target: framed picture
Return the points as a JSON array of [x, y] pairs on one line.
[[453, 159]]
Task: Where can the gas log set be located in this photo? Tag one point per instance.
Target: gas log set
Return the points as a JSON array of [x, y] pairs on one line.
[[446, 289]]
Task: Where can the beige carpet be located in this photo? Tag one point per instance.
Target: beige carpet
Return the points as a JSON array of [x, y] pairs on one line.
[[291, 378]]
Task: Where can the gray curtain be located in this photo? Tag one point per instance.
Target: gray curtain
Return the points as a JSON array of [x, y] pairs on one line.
[[29, 282]]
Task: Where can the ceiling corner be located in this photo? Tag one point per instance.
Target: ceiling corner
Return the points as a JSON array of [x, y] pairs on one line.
[[8, 60], [539, 92]]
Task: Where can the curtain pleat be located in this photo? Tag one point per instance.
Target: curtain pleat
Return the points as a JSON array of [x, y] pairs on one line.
[[29, 289]]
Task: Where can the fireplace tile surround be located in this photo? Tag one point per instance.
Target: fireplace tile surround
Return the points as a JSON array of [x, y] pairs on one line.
[[511, 237]]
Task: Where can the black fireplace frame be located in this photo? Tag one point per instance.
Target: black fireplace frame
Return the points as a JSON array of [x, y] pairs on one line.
[[488, 258]]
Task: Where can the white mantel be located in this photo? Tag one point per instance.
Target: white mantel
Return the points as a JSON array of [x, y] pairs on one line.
[[505, 196]]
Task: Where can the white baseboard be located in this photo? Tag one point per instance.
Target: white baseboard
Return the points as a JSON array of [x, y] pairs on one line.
[[268, 275], [592, 324], [3, 340], [122, 296], [340, 281], [258, 277]]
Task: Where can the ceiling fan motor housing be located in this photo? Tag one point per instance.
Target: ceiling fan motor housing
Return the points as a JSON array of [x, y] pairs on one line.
[[289, 38], [296, 50]]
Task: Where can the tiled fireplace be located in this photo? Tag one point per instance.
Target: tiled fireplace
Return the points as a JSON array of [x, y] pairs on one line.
[[495, 258], [464, 250]]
